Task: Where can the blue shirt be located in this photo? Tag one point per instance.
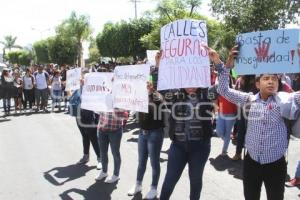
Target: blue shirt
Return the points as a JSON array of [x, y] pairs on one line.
[[266, 137]]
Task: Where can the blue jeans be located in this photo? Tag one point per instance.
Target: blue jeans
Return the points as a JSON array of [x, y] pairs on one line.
[[225, 124], [56, 96], [114, 140], [6, 105], [193, 153], [150, 143], [298, 170]]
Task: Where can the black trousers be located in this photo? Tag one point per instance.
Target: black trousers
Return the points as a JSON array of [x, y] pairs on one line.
[[28, 97], [272, 175], [87, 124]]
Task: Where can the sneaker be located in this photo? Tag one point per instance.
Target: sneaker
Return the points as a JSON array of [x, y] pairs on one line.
[[99, 166], [112, 179], [151, 194], [101, 176], [84, 159], [294, 182], [134, 190]]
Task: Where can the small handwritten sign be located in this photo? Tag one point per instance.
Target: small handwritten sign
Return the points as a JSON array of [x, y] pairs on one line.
[[274, 51], [97, 92], [130, 87], [185, 62], [73, 79], [151, 56]]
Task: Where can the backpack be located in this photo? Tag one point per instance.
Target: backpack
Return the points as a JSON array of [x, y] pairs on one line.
[[74, 103]]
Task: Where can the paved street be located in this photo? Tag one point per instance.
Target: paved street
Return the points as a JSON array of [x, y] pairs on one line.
[[38, 153]]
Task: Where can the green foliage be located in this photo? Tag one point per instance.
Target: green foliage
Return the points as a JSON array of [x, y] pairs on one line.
[[171, 10], [94, 54], [62, 50], [20, 57], [253, 15], [76, 28], [9, 43], [41, 51], [123, 39]]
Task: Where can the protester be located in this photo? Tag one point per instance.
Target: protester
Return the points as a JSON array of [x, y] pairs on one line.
[[266, 138], [56, 90], [110, 130], [225, 120], [87, 122], [18, 97], [150, 142], [7, 82], [41, 91], [190, 140], [28, 89]]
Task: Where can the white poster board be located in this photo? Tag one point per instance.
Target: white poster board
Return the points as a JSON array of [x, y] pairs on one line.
[[73, 79], [130, 87], [151, 56], [97, 92], [268, 52], [184, 62]]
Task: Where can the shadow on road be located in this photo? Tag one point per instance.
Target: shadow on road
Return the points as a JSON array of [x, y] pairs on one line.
[[60, 175], [97, 191], [222, 163], [4, 120]]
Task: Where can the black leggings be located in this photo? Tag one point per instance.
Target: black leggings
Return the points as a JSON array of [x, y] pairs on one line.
[[88, 129]]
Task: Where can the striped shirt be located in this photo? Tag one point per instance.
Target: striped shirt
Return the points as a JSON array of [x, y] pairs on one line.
[[111, 121], [266, 137]]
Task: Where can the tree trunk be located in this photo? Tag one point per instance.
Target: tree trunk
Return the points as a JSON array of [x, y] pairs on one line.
[[79, 54]]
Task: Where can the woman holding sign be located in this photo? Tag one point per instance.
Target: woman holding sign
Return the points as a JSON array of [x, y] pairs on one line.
[[267, 135], [150, 143], [190, 130]]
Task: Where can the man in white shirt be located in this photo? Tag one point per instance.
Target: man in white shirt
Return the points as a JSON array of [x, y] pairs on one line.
[[41, 88]]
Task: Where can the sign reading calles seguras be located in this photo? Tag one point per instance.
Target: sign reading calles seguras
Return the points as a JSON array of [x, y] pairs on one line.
[[185, 62]]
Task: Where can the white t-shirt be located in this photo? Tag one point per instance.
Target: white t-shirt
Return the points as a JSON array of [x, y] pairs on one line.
[[27, 82], [56, 83], [41, 81]]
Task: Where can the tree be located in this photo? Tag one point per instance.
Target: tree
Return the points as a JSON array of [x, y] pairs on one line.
[[106, 41], [122, 39], [62, 50], [253, 15], [171, 10], [21, 57], [9, 43], [77, 27], [94, 54], [41, 51]]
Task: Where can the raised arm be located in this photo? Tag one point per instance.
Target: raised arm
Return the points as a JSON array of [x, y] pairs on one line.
[[234, 96]]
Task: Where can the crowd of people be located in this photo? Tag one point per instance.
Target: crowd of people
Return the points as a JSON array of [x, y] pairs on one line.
[[265, 139]]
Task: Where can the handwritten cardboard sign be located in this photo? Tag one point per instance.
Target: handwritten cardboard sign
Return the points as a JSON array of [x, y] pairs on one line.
[[274, 51], [185, 62], [73, 79], [130, 87], [151, 56], [97, 92]]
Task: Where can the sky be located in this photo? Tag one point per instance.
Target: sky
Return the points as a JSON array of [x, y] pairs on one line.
[[32, 20]]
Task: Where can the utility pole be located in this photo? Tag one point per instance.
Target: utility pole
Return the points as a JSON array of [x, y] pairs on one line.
[[135, 6]]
